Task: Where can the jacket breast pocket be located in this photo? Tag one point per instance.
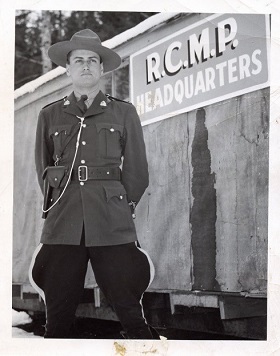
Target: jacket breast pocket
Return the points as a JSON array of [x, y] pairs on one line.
[[59, 135], [119, 212], [109, 139]]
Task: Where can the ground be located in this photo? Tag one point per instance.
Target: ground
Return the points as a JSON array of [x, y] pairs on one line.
[[86, 328]]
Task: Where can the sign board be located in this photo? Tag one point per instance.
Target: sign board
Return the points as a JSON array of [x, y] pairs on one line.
[[216, 58]]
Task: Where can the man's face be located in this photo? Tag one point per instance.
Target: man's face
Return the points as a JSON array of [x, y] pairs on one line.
[[84, 68]]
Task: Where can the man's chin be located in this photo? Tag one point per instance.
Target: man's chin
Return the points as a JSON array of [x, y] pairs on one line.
[[88, 81]]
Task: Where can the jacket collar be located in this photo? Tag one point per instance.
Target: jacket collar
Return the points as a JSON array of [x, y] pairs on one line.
[[98, 105]]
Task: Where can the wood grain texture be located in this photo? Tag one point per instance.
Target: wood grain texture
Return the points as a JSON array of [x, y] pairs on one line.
[[238, 141], [163, 213]]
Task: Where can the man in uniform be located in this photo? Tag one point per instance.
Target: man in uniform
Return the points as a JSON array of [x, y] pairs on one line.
[[81, 142]]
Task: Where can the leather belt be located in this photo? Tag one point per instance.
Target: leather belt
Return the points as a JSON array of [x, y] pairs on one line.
[[84, 173]]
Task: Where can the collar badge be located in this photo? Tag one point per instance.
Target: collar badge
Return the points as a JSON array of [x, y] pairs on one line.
[[66, 102], [103, 103]]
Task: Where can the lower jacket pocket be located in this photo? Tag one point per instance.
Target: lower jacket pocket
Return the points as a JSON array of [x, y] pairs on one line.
[[119, 212]]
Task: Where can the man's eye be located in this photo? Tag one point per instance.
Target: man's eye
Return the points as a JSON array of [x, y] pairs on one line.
[[78, 61]]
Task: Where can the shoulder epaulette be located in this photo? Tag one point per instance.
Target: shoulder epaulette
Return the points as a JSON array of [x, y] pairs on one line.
[[54, 102], [110, 97]]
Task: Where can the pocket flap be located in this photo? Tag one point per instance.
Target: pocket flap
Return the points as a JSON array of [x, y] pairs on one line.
[[61, 129], [110, 127], [118, 192], [55, 175]]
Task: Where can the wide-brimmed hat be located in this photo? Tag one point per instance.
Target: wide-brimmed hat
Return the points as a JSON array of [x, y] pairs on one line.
[[84, 39]]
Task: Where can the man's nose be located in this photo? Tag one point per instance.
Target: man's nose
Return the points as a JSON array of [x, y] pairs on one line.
[[86, 65]]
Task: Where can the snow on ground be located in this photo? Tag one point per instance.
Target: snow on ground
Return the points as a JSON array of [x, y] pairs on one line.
[[21, 318], [16, 332]]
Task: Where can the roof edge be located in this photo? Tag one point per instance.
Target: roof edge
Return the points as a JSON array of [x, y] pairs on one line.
[[113, 42]]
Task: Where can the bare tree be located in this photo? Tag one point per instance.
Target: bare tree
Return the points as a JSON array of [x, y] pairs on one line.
[[36, 31], [46, 41]]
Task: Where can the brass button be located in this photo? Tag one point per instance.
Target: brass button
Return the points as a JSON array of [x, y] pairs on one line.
[[82, 183], [83, 161], [84, 125], [121, 197], [112, 129], [56, 133], [83, 142]]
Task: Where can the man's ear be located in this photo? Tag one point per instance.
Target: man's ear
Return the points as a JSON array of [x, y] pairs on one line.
[[67, 69], [102, 68]]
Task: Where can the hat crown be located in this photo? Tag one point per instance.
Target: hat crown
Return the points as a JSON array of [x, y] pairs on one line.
[[88, 40], [86, 34]]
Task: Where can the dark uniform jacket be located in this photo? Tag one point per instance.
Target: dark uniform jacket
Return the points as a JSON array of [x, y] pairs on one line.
[[111, 136]]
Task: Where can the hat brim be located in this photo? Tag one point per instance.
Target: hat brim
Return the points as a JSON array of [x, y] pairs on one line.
[[59, 51]]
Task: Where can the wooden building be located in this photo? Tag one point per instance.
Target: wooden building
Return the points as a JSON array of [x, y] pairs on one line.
[[203, 218]]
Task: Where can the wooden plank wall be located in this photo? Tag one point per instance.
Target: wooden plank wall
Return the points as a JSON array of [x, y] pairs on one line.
[[203, 218], [240, 161]]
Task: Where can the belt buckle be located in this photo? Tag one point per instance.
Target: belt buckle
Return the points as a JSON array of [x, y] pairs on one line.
[[82, 173]]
